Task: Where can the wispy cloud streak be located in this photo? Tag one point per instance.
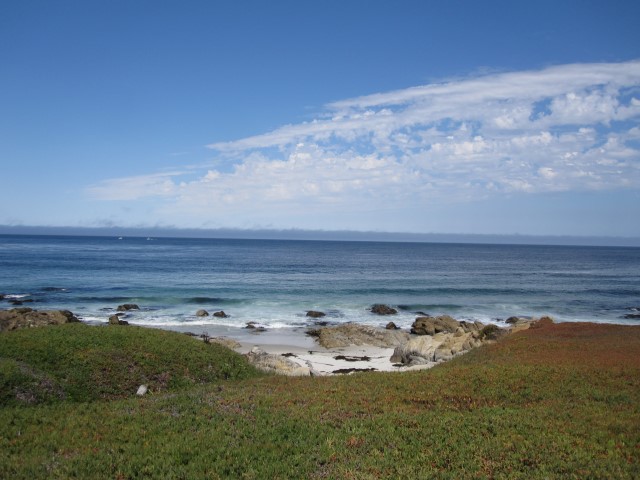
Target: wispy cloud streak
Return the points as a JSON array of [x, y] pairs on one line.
[[563, 128]]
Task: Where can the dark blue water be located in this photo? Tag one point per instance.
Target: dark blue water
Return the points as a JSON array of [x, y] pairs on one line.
[[276, 282]]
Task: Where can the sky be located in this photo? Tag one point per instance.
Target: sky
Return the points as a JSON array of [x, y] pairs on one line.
[[468, 117]]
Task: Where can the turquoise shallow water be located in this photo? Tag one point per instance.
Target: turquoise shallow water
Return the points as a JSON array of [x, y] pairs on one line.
[[274, 283]]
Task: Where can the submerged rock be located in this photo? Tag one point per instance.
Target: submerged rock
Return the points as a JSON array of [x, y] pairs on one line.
[[315, 314], [27, 317], [220, 314], [380, 309], [202, 313], [127, 306]]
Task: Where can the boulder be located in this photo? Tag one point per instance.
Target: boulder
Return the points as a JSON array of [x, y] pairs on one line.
[[315, 314], [431, 349], [492, 332], [355, 334], [276, 364], [26, 317], [127, 306], [380, 309], [391, 326], [220, 314], [142, 390], [255, 327], [433, 325], [202, 313], [115, 320]]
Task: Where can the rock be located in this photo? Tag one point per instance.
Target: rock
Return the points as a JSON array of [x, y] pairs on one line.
[[433, 325], [380, 309], [142, 390], [512, 320], [26, 317], [431, 349], [220, 314], [127, 306], [115, 320], [631, 315], [492, 332], [202, 313], [391, 326], [354, 334], [315, 314], [541, 322], [255, 327], [276, 364]]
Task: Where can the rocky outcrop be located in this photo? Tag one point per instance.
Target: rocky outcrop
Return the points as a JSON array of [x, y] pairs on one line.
[[380, 309], [355, 334], [391, 326], [127, 306], [116, 320], [220, 314], [433, 325], [202, 313], [315, 314], [26, 317], [431, 349], [276, 364]]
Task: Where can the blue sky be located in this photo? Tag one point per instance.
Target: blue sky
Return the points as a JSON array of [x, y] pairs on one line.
[[408, 116]]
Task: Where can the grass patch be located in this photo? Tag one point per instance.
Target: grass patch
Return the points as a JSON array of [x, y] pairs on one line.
[[81, 363], [555, 402]]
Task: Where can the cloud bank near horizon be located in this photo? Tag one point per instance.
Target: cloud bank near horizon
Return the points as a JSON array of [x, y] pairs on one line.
[[567, 128]]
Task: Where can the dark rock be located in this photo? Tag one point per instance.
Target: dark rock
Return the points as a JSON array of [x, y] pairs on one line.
[[315, 314], [16, 302], [115, 320], [392, 326], [2, 296], [631, 315], [380, 309], [26, 317], [345, 371], [128, 306], [492, 332], [512, 320], [433, 325], [202, 313], [352, 359], [255, 327], [220, 314]]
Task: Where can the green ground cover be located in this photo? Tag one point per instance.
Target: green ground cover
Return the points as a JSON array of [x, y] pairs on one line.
[[561, 401]]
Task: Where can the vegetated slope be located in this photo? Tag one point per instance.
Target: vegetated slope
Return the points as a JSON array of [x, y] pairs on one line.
[[81, 363], [560, 401]]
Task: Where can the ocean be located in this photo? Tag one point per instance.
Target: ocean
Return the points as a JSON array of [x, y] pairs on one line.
[[274, 283]]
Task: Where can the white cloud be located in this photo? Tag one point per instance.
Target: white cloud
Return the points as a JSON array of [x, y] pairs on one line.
[[563, 128]]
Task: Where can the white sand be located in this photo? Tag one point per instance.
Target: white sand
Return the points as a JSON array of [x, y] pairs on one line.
[[308, 353]]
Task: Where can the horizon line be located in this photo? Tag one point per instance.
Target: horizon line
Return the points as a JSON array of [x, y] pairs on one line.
[[325, 235]]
